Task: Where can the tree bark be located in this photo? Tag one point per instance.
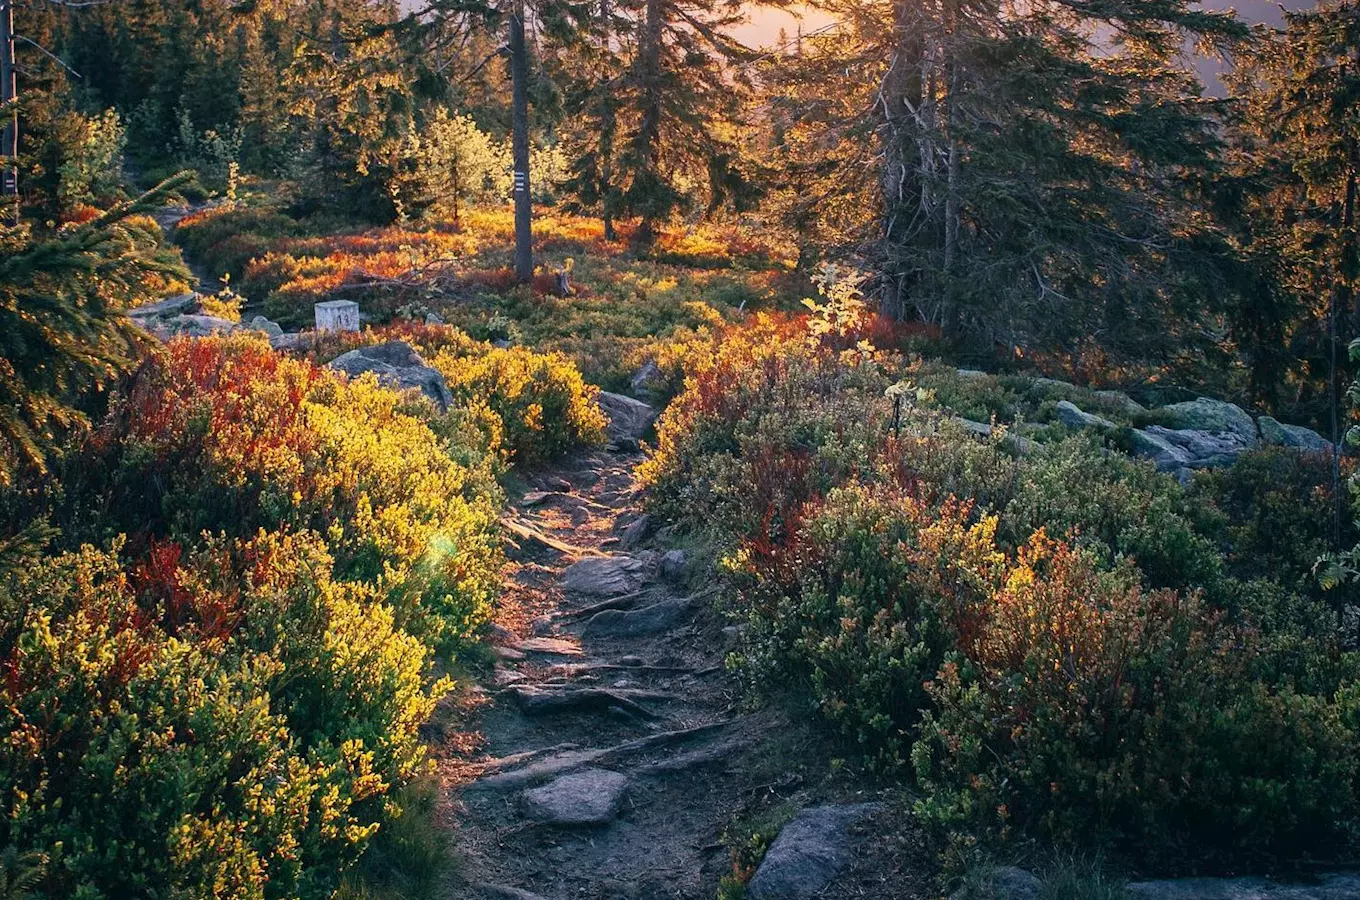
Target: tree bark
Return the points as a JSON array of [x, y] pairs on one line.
[[9, 90], [519, 116], [607, 126], [649, 130], [899, 95]]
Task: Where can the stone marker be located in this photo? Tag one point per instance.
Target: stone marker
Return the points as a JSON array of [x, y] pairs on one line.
[[337, 315]]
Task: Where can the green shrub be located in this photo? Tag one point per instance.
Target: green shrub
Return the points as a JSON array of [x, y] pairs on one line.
[[534, 406], [225, 239], [860, 605], [222, 435], [194, 730], [1089, 711]]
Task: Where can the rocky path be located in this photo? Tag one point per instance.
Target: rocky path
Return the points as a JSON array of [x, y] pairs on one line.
[[611, 727]]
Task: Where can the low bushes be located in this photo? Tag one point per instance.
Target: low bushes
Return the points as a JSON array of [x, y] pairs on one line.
[[225, 702], [1056, 641], [533, 405]]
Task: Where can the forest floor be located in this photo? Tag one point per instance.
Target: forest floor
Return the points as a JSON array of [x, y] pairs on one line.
[[610, 756]]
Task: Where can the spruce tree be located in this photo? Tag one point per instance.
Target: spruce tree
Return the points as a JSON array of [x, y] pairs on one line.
[[63, 338], [1036, 171], [661, 101]]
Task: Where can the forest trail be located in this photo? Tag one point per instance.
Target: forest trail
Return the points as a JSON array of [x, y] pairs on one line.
[[611, 726], [616, 751]]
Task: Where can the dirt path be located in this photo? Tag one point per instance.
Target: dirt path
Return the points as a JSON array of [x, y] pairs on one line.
[[613, 758], [611, 727]]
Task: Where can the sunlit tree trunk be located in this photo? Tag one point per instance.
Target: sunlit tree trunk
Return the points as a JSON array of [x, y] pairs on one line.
[[519, 125]]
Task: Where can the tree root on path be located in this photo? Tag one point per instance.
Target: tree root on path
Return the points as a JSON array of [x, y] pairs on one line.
[[524, 530]]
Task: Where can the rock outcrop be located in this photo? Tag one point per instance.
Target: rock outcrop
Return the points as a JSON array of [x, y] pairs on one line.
[[397, 365], [810, 852]]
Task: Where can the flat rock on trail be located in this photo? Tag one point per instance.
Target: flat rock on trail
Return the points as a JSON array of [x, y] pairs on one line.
[[611, 730]]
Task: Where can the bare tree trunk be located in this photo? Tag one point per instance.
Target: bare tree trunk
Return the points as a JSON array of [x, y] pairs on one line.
[[952, 315], [900, 97], [9, 91], [607, 127], [519, 125], [649, 131]]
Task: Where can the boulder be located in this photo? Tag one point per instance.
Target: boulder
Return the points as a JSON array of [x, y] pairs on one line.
[[629, 419], [1167, 456], [587, 797], [397, 365], [296, 340], [981, 429], [673, 564], [1072, 416], [605, 576], [260, 323], [1215, 416], [1203, 446], [1301, 438], [1126, 404], [635, 532], [810, 852], [192, 326], [180, 304], [1013, 883], [1278, 434], [1332, 886], [434, 319], [652, 619], [646, 378], [971, 373]]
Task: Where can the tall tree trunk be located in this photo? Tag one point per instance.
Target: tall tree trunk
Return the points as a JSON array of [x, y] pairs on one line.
[[649, 130], [952, 315], [519, 128], [9, 91], [899, 98], [607, 126]]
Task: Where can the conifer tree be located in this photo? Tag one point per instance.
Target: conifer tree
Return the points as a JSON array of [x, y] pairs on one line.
[[661, 97], [63, 339], [1036, 170]]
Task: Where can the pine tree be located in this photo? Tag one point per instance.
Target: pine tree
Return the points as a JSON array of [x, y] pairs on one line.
[[660, 96], [1037, 171], [63, 339]]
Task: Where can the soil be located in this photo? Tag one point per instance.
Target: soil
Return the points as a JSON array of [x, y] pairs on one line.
[[703, 769]]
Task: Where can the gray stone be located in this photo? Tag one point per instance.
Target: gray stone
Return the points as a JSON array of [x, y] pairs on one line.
[[1333, 886], [981, 429], [1207, 414], [635, 532], [1202, 445], [1272, 432], [1126, 404], [179, 304], [1166, 455], [194, 326], [646, 377], [604, 576], [1015, 883], [397, 365], [810, 852], [637, 622], [629, 419], [673, 564], [587, 797], [296, 340], [337, 315], [260, 323], [505, 892], [1072, 416], [1306, 439], [971, 373], [434, 319]]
